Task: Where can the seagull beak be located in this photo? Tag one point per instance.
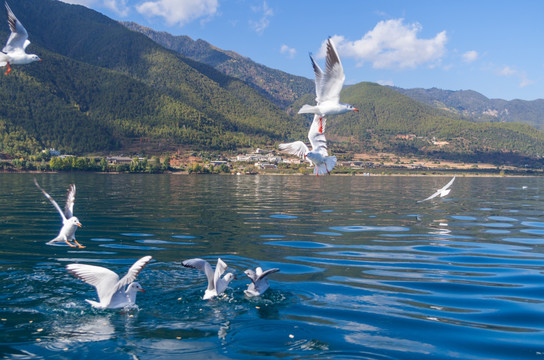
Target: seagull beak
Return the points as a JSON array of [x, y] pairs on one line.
[[78, 224], [355, 109], [141, 290]]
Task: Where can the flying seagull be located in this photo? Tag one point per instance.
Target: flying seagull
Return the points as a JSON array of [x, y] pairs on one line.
[[259, 283], [216, 284], [70, 223], [14, 51], [111, 291], [442, 192], [328, 85], [323, 163]]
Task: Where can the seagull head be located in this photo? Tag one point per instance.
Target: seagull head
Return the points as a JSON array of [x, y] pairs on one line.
[[74, 221], [352, 108], [34, 57], [135, 286]]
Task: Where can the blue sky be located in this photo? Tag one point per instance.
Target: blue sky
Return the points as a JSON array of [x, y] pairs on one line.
[[494, 47]]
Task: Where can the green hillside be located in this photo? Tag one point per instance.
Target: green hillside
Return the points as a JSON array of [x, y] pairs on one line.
[[101, 86]]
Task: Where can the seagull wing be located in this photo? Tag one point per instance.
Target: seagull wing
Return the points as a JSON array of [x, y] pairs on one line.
[[267, 272], [132, 272], [52, 201], [203, 266], [448, 184], [104, 280], [317, 138], [319, 75], [431, 197], [333, 79], [219, 270], [18, 40], [297, 148], [69, 207]]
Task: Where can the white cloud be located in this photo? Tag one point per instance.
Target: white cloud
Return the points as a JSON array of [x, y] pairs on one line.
[[393, 45], [507, 71], [118, 6], [470, 56], [519, 74], [260, 25], [179, 12], [386, 82], [288, 50]]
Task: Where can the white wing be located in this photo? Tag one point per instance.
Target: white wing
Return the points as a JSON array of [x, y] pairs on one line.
[[52, 200], [18, 40], [319, 75], [203, 266], [333, 78], [442, 192], [219, 270], [297, 148], [132, 273], [267, 272], [317, 138], [104, 280], [448, 184], [69, 207]]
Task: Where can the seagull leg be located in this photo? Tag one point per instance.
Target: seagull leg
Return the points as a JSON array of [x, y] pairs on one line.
[[8, 70], [321, 125], [79, 245], [69, 243]]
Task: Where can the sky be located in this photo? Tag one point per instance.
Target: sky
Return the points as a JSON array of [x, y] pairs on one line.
[[494, 47]]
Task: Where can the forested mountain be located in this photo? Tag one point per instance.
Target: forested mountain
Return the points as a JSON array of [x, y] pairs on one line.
[[101, 86], [477, 107], [280, 87], [390, 121]]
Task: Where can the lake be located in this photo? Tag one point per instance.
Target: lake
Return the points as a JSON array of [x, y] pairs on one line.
[[365, 270]]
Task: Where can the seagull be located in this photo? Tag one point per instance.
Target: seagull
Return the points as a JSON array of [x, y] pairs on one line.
[[259, 283], [328, 85], [111, 291], [14, 51], [216, 284], [442, 192], [70, 223], [323, 163]]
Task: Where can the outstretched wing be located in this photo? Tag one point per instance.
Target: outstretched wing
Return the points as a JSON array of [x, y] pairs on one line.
[[319, 75], [448, 184], [104, 280], [316, 137], [132, 273], [219, 270], [52, 200], [297, 148], [334, 77], [267, 272], [69, 207], [203, 266], [18, 39]]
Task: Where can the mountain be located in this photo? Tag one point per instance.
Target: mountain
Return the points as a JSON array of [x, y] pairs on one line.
[[390, 121], [281, 88], [103, 87], [477, 107]]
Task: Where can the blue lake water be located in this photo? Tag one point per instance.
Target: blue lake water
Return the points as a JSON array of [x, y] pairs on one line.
[[365, 271]]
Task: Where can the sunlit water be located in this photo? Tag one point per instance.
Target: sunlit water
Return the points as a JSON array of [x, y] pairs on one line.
[[366, 272]]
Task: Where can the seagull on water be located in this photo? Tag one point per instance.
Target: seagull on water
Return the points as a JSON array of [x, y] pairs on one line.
[[328, 85], [216, 284], [323, 163], [442, 192], [14, 51], [259, 283], [70, 223], [111, 291]]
